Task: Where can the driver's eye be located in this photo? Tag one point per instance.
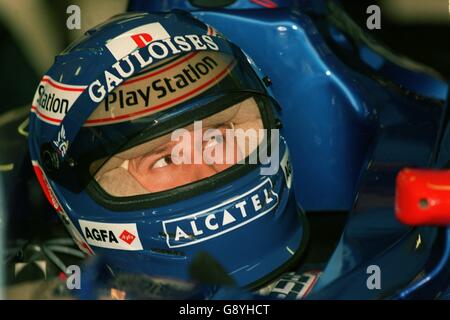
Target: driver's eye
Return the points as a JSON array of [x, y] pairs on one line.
[[164, 161]]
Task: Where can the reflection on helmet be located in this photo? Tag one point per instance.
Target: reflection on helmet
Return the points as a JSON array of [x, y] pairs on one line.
[[167, 165]]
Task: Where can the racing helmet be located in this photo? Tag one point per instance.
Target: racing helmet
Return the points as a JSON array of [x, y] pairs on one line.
[[153, 138]]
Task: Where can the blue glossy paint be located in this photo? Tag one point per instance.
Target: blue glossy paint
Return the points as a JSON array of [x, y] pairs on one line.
[[188, 5], [435, 278], [353, 118], [372, 235]]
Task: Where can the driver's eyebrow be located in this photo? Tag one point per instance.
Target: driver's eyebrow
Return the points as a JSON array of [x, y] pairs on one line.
[[162, 148]]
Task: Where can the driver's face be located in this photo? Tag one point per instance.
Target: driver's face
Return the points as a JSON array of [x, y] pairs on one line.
[[156, 171]]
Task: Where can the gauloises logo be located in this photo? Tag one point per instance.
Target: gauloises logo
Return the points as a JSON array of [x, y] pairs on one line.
[[121, 236], [218, 220], [162, 87]]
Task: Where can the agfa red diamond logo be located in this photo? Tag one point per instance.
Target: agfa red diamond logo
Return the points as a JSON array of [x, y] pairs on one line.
[[127, 237]]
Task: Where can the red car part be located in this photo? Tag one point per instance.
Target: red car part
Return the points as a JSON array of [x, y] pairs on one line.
[[423, 197]]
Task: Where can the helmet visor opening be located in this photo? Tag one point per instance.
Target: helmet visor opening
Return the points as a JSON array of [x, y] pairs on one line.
[[185, 155]]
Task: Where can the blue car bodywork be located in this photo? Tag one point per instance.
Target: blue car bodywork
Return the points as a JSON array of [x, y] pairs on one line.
[[354, 114]]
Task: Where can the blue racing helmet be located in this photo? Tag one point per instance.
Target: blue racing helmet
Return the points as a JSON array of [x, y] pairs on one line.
[[156, 139]]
